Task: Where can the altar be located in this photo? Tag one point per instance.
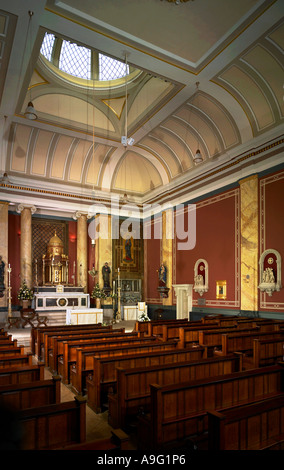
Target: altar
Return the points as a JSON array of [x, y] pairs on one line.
[[84, 316], [47, 300]]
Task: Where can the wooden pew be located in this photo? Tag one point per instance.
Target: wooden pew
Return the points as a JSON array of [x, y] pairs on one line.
[[146, 326], [267, 352], [84, 331], [55, 343], [16, 361], [21, 374], [258, 426], [103, 376], [159, 328], [212, 339], [179, 411], [118, 441], [84, 362], [189, 335], [69, 356], [133, 384], [231, 342], [38, 332], [8, 351], [30, 394], [53, 426]]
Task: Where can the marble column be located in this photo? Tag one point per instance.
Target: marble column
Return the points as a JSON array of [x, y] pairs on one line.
[[82, 249], [249, 243], [167, 251], [104, 247], [26, 212], [4, 247]]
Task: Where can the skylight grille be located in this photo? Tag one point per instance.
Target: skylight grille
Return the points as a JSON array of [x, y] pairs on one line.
[[111, 69], [75, 60], [47, 46]]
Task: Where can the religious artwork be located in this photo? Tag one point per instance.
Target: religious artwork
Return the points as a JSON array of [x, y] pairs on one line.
[[127, 252], [270, 271], [2, 276], [55, 263], [201, 276], [162, 275], [106, 274], [221, 290]]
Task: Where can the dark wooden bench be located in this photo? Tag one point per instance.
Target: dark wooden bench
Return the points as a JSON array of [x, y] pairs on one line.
[[47, 337], [267, 352], [180, 412], [69, 355], [30, 394], [84, 363], [212, 339], [258, 426], [55, 344], [21, 374], [16, 361], [133, 384], [103, 376], [118, 441], [11, 350], [53, 426], [38, 332], [232, 342]]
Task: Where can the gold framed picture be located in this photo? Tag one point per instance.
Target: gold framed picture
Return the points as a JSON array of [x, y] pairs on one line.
[[221, 290]]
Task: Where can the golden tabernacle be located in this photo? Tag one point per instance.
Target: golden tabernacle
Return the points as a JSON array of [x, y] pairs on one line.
[[55, 263]]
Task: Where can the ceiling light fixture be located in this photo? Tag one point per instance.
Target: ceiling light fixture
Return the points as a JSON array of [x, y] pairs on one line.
[[197, 157], [30, 112]]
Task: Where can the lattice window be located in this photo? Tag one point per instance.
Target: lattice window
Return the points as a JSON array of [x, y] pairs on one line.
[[75, 60], [110, 69], [47, 46]]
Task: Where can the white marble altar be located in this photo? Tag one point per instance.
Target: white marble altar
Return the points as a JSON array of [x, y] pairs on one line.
[[84, 316], [61, 300]]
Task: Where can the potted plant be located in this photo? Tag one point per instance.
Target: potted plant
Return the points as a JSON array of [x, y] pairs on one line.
[[98, 294], [143, 317], [25, 294]]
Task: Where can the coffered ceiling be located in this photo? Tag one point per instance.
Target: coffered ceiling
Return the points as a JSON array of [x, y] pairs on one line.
[[205, 74]]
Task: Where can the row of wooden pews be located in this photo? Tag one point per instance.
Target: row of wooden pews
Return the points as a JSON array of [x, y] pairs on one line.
[[170, 401], [32, 414]]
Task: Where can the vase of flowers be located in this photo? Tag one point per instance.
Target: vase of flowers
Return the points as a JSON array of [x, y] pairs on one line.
[[25, 294], [143, 317], [98, 294]]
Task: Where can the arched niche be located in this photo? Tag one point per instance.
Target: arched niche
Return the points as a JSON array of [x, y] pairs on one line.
[[270, 271], [201, 276]]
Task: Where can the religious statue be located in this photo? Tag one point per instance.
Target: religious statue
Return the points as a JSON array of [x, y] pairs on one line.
[[198, 280], [127, 246], [162, 275], [106, 274], [268, 276]]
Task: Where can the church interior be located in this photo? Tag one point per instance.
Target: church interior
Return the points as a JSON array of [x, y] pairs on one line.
[[141, 205]]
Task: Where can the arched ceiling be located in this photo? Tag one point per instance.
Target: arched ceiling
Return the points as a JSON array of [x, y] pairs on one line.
[[207, 75]]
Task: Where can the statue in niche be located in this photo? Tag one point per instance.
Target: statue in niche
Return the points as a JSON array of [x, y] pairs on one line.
[[106, 274], [127, 247], [268, 276], [198, 280]]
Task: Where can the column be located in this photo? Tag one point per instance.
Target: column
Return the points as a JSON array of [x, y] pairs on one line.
[[249, 243], [4, 248], [26, 212], [82, 249], [104, 246], [167, 251]]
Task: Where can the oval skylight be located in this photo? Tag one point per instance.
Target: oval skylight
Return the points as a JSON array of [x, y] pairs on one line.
[[79, 62]]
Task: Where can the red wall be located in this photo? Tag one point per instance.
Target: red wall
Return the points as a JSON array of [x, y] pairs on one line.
[[272, 231]]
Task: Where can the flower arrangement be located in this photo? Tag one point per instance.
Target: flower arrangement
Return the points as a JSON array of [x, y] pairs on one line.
[[143, 317], [98, 293], [25, 293]]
